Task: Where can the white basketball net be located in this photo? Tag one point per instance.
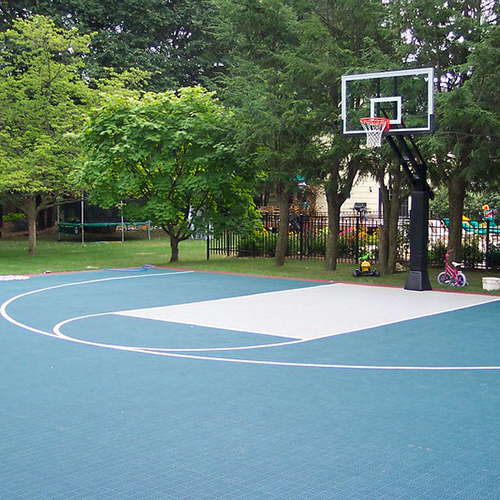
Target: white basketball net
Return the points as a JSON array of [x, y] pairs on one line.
[[374, 128]]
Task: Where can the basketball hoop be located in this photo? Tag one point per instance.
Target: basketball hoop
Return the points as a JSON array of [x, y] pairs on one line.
[[374, 128]]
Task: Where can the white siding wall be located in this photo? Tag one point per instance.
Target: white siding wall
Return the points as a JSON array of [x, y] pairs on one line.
[[365, 190]]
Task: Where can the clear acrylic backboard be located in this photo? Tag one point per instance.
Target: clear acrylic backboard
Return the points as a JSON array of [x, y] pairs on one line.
[[405, 97]]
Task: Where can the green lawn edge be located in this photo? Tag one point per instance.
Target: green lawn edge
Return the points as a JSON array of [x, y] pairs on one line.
[[57, 257]]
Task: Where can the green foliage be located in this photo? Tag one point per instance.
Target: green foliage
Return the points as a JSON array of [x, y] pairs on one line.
[[260, 243], [274, 120], [42, 101], [14, 217], [404, 238], [315, 243], [437, 252], [174, 153], [494, 256], [473, 203], [471, 253], [168, 40]]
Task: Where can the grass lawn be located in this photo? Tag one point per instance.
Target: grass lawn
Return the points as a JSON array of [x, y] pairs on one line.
[[71, 256]]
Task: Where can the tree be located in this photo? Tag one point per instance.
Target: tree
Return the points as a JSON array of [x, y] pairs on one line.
[[168, 39], [393, 191], [172, 152], [336, 38], [43, 100], [274, 123], [446, 34]]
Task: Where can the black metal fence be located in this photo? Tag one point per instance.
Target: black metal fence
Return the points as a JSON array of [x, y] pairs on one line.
[[358, 237]]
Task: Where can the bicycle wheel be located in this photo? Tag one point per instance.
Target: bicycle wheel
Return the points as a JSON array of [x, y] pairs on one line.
[[442, 278], [461, 279]]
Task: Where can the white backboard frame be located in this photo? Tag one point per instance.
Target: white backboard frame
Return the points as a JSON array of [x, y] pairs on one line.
[[425, 72]]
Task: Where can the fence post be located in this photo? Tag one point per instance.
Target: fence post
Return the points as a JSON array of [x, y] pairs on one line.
[[357, 238], [227, 243], [301, 236], [208, 245], [487, 257]]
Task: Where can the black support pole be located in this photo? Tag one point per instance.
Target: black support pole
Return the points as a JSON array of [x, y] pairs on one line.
[[413, 164], [418, 277]]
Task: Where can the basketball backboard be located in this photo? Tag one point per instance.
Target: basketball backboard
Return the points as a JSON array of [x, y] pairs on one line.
[[405, 97]]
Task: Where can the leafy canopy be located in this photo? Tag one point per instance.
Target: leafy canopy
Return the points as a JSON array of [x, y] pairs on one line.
[[167, 39], [43, 99], [173, 153]]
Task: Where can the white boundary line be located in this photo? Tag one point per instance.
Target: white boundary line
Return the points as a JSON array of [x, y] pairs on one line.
[[170, 353], [58, 333], [3, 307]]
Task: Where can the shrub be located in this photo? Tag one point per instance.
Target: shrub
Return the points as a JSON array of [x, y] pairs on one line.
[[257, 244], [403, 239], [315, 245], [349, 246], [14, 217], [437, 253], [494, 256], [472, 254]]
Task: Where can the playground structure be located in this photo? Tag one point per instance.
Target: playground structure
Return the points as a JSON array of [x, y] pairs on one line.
[[78, 218]]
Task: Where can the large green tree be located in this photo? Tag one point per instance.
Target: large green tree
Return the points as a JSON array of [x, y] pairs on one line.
[[173, 153], [446, 35], [274, 118], [168, 39], [43, 101], [336, 38]]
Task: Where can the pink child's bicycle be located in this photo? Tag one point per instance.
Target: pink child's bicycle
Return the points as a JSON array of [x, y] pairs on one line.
[[452, 274]]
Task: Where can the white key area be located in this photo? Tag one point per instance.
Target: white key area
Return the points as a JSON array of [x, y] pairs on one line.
[[312, 313]]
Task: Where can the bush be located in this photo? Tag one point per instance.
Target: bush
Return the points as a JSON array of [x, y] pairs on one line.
[[14, 217], [293, 244], [472, 254], [315, 245], [257, 244], [349, 246], [437, 253], [404, 239], [494, 256], [18, 220]]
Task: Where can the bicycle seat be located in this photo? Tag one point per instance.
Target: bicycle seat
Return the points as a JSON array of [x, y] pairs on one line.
[[457, 264]]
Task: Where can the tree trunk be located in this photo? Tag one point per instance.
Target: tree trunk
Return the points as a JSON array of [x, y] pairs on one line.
[[31, 215], [393, 229], [174, 248], [383, 248], [383, 231], [332, 242], [456, 195], [282, 241], [393, 233]]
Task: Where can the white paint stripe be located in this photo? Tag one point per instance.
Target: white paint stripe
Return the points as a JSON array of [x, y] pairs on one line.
[[3, 307], [324, 365], [290, 364], [58, 333], [172, 354]]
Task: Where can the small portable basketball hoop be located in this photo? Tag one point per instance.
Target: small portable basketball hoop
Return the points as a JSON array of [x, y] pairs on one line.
[[374, 128]]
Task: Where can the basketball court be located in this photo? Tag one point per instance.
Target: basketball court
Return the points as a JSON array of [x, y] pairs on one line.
[[176, 384]]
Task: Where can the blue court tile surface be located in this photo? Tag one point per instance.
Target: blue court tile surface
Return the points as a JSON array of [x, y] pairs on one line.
[[79, 420]]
